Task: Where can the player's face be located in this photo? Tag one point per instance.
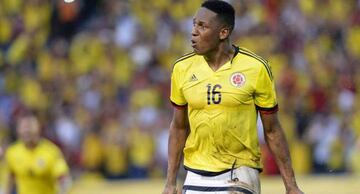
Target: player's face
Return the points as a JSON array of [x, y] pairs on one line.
[[205, 33], [28, 130]]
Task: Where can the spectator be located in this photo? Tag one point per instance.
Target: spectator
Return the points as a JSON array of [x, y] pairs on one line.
[[42, 168]]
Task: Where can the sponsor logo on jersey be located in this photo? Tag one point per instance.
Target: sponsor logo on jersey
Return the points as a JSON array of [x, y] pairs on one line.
[[193, 78]]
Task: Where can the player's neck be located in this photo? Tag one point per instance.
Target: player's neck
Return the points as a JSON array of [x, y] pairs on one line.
[[32, 144], [220, 56]]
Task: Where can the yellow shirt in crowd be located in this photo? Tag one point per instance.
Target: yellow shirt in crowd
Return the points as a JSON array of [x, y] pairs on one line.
[[36, 170]]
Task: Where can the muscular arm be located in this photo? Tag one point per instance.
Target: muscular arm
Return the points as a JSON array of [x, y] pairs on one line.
[[277, 143], [177, 136]]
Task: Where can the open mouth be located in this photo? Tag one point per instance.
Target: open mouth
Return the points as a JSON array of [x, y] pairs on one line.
[[193, 43]]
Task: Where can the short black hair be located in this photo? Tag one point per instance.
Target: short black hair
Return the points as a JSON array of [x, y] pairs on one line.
[[224, 11]]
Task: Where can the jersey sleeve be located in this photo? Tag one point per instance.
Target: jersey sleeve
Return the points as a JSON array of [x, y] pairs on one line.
[[8, 164], [60, 168], [265, 94], [176, 95]]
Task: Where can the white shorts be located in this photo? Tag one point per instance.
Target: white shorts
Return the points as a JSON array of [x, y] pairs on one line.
[[245, 180]]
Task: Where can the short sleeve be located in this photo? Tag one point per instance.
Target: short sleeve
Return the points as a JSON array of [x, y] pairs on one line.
[[176, 93], [265, 94], [60, 168], [8, 167]]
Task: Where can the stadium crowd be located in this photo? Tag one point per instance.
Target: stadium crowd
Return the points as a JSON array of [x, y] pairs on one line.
[[97, 74]]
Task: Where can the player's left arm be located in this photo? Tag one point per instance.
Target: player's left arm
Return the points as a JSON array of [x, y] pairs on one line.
[[277, 143], [64, 183], [61, 172]]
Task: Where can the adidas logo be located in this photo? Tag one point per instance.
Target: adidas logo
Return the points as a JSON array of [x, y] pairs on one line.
[[193, 78]]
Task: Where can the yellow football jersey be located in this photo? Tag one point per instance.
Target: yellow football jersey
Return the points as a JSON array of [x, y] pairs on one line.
[[222, 109], [36, 171]]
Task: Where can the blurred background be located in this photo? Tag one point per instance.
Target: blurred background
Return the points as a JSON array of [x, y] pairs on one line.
[[97, 74]]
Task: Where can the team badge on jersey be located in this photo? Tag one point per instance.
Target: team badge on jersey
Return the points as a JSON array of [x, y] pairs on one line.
[[40, 163], [237, 79]]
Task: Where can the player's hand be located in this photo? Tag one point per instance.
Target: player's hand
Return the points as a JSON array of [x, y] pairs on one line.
[[170, 189], [294, 191]]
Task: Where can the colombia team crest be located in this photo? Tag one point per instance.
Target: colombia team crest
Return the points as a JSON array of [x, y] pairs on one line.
[[237, 79]]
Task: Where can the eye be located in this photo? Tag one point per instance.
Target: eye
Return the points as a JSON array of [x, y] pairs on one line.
[[201, 26]]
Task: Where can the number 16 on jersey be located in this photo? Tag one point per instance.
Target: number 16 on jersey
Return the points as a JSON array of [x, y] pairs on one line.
[[213, 94]]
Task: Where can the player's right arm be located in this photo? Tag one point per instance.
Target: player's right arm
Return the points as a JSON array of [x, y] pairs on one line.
[[177, 137], [178, 130], [10, 183]]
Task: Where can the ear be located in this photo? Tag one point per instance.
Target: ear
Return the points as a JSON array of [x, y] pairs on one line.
[[224, 33]]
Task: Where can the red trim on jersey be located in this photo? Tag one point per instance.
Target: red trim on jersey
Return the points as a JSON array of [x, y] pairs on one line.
[[268, 111], [180, 107]]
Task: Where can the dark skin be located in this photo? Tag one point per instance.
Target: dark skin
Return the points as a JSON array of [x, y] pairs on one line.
[[277, 143], [210, 38], [178, 133]]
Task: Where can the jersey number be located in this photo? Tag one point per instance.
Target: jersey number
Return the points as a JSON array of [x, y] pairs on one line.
[[213, 94]]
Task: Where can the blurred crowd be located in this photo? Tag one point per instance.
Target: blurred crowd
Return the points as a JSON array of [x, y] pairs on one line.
[[97, 74]]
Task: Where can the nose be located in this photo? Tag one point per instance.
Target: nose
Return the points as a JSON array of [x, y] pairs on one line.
[[194, 31]]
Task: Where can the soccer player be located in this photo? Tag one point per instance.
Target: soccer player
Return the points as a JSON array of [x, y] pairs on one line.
[[217, 92], [35, 165]]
